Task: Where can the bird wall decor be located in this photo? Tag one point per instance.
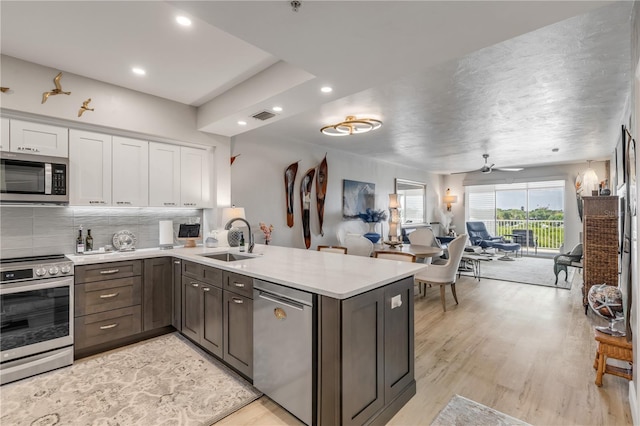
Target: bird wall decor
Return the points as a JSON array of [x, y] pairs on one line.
[[85, 107], [56, 91], [4, 89]]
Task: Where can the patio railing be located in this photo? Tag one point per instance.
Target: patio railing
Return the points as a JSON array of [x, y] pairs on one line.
[[550, 233]]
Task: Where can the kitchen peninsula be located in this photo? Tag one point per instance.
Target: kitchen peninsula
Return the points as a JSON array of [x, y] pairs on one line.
[[362, 335]]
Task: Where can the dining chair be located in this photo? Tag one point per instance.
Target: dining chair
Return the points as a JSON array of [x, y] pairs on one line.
[[358, 245], [424, 237], [404, 257], [333, 249], [443, 275]]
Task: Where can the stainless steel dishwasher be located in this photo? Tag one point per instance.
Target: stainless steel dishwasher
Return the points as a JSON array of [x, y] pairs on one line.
[[283, 347]]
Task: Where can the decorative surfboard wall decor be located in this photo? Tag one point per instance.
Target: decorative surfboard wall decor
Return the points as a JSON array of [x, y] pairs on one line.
[[321, 190], [289, 181], [306, 185]]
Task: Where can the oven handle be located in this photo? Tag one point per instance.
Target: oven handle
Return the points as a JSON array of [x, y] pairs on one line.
[[39, 285]]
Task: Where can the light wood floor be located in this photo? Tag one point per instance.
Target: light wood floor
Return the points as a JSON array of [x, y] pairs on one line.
[[522, 349]]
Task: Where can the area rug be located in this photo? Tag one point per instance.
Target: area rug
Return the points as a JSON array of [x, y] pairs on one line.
[[528, 270], [461, 411], [162, 381]]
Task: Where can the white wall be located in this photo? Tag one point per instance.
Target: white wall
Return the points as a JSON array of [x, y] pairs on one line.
[[257, 178], [567, 172], [117, 111]]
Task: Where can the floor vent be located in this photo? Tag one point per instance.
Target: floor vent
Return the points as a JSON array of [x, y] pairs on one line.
[[263, 115]]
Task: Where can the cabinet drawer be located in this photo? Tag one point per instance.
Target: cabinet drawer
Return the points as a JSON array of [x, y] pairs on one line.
[[240, 284], [104, 327], [91, 298], [192, 270], [212, 276], [107, 271]]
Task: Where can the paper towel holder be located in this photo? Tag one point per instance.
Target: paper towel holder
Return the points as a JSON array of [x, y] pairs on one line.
[[166, 242], [189, 233]]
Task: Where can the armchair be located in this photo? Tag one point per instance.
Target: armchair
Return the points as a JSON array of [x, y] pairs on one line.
[[479, 236], [561, 261]]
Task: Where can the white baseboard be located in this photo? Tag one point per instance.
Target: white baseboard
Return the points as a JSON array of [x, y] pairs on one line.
[[633, 403]]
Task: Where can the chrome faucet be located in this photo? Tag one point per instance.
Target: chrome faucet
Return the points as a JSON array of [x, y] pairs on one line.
[[251, 243]]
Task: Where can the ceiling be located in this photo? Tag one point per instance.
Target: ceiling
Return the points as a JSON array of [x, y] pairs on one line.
[[449, 80]]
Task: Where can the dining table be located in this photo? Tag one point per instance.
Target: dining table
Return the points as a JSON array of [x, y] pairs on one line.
[[419, 251]]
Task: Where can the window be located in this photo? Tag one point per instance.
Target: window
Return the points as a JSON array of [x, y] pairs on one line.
[[536, 207], [413, 202]]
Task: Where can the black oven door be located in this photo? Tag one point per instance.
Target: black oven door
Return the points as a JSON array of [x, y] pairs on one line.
[[35, 317]]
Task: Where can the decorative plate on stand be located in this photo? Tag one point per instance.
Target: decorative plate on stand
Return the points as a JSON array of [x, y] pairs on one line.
[[124, 241]]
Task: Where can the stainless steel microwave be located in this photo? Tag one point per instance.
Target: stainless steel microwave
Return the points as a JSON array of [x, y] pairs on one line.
[[33, 179]]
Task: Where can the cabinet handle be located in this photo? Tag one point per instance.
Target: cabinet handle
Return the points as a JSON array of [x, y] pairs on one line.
[[239, 285], [169, 204], [106, 327], [206, 289], [238, 301], [110, 271], [177, 262], [108, 296], [124, 202], [28, 148], [194, 284]]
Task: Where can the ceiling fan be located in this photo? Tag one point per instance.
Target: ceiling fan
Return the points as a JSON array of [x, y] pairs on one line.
[[486, 168]]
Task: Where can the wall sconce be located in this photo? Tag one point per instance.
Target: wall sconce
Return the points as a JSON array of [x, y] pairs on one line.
[[449, 199]]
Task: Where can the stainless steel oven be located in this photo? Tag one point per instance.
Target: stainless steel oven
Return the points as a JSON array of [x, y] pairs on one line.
[[27, 178], [36, 316]]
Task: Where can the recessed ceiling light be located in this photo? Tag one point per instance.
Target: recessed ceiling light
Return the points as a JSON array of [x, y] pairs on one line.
[[326, 89], [242, 123], [277, 108], [138, 70], [183, 20]]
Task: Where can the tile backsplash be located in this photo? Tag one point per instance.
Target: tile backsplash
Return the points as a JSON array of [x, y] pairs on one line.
[[41, 230]]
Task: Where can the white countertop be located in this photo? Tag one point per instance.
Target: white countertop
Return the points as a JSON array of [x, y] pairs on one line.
[[335, 275]]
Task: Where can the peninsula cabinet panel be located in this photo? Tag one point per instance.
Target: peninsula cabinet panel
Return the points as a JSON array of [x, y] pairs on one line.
[[40, 139], [89, 168], [164, 175], [399, 359], [366, 355], [131, 172], [362, 357], [158, 293]]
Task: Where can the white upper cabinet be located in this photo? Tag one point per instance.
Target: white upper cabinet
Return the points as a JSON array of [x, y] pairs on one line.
[[194, 178], [130, 172], [36, 138], [4, 134], [89, 168], [164, 175]]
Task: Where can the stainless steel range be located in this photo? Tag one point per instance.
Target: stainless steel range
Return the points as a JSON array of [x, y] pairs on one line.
[[36, 316]]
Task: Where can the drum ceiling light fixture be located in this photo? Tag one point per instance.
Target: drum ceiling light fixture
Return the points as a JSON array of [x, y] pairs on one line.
[[352, 126]]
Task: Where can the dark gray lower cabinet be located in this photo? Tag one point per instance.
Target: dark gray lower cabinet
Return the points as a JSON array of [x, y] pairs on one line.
[[366, 355], [238, 332], [157, 293], [176, 320], [202, 314]]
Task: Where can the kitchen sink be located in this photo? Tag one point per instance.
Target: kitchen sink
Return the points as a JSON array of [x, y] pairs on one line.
[[226, 257]]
